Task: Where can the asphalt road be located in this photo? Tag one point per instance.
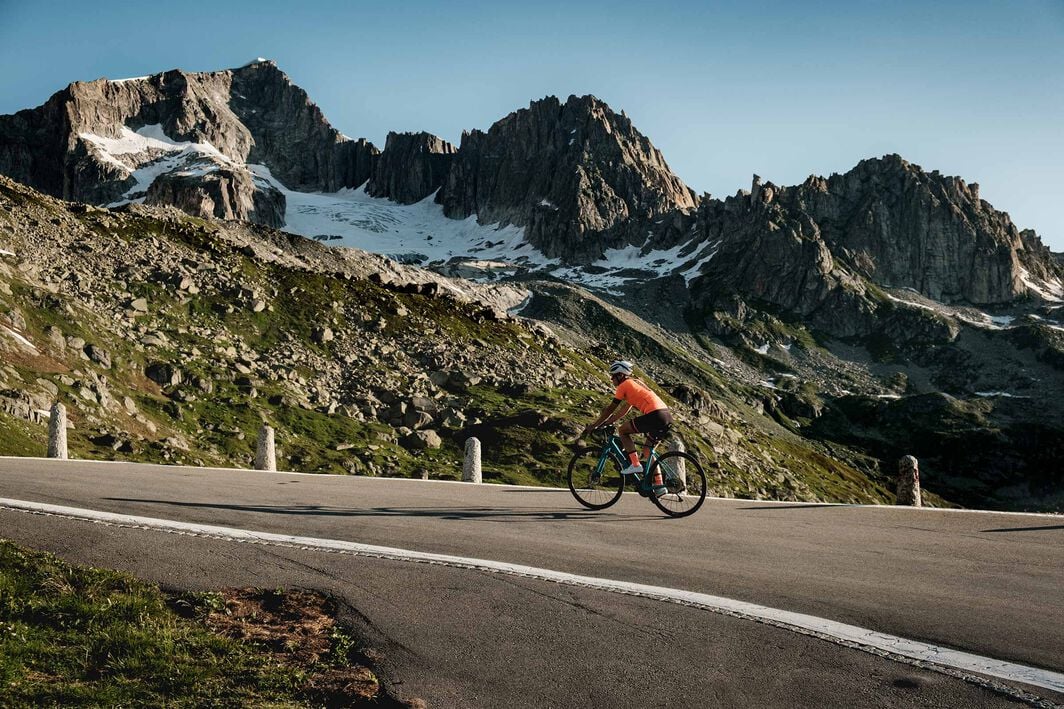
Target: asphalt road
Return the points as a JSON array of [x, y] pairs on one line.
[[989, 584]]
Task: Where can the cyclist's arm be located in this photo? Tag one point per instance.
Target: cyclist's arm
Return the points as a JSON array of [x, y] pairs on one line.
[[604, 415], [621, 415]]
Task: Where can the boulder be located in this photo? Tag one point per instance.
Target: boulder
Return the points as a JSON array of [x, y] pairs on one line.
[[422, 440], [98, 355], [417, 419], [164, 374]]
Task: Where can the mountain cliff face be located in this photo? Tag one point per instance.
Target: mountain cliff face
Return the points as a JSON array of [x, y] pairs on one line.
[[577, 176], [223, 193], [903, 227], [102, 141], [412, 166], [815, 249]]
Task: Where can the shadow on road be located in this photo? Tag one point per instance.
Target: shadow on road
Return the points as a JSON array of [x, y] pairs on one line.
[[1026, 529], [784, 508], [466, 513]]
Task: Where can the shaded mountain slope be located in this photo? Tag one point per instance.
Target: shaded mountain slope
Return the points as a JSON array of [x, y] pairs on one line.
[[171, 338]]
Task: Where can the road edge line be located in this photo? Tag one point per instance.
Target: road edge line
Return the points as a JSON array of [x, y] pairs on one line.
[[854, 636]]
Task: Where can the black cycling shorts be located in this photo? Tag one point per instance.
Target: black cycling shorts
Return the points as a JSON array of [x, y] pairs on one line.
[[654, 423]]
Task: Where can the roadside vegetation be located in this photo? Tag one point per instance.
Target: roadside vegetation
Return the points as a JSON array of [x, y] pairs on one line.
[[76, 636]]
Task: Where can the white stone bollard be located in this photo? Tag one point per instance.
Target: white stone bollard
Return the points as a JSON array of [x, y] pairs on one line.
[[265, 453], [909, 482], [57, 432], [680, 464], [471, 467]]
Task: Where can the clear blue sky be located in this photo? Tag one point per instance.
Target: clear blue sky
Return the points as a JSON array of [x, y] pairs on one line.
[[783, 89]]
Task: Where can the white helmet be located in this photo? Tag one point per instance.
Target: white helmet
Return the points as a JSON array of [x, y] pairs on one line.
[[621, 366]]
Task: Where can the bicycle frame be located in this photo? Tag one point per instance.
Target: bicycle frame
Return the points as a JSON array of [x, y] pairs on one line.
[[612, 449]]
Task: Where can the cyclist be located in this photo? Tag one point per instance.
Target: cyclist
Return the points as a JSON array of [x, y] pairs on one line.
[[654, 421]]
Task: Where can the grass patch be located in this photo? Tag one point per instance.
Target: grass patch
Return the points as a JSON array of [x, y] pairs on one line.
[[22, 438], [74, 635]]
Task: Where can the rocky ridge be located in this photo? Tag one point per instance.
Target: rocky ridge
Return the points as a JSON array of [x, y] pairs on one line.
[[412, 167], [827, 250], [579, 177], [254, 114]]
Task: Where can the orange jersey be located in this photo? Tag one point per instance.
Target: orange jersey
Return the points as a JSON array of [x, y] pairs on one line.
[[639, 395]]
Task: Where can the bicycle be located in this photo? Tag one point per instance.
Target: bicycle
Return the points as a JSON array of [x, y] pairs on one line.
[[596, 482]]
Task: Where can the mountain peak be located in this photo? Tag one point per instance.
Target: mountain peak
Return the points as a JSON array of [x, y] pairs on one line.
[[578, 176], [87, 143]]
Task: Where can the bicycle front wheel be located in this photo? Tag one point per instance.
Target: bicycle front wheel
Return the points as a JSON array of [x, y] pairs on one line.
[[595, 479], [685, 483]]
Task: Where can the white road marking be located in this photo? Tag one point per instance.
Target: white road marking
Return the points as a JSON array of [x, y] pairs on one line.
[[862, 638]]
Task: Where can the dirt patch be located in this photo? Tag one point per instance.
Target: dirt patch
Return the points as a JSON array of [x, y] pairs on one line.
[[38, 362], [299, 629]]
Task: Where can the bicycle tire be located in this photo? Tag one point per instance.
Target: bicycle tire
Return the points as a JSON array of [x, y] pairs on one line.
[[595, 495], [685, 495]]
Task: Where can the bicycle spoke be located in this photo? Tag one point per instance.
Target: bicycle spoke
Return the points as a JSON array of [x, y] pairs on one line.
[[595, 479], [684, 481]]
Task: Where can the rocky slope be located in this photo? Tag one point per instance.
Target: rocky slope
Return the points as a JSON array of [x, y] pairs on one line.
[[171, 338]]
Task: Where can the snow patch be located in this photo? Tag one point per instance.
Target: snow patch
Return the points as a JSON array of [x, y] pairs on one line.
[[144, 140], [969, 316], [522, 305], [705, 256], [987, 394], [1052, 291], [5, 252], [915, 304], [148, 153], [352, 218], [762, 350], [17, 337]]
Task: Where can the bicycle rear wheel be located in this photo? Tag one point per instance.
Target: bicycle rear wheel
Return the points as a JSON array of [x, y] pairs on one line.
[[595, 479], [685, 483]]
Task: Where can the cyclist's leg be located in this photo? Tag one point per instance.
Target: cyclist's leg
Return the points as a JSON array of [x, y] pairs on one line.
[[656, 425], [625, 432]]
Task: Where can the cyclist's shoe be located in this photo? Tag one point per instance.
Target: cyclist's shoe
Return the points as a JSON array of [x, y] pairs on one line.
[[595, 478], [634, 468], [655, 490], [648, 488]]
